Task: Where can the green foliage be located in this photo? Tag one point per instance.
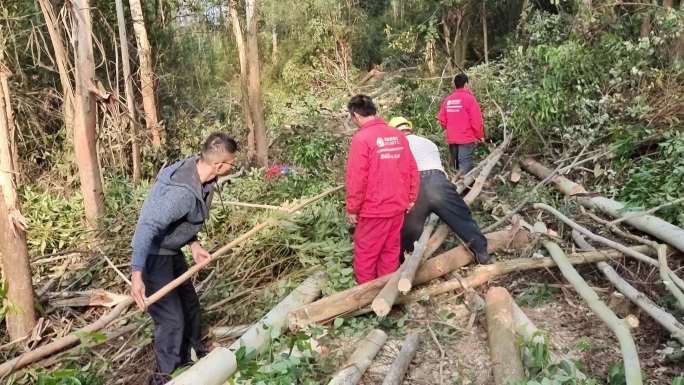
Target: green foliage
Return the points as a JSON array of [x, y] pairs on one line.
[[616, 374], [679, 380], [658, 178], [534, 296], [73, 374], [4, 302], [539, 368]]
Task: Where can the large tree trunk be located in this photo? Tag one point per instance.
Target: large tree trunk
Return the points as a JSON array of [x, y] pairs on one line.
[[255, 102], [15, 260], [146, 73], [128, 89], [85, 134], [617, 325], [220, 363], [350, 300], [244, 85], [274, 43], [649, 224], [62, 65], [506, 362]]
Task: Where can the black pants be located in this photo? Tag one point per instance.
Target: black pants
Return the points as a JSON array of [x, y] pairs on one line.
[[462, 156], [176, 316], [438, 195]]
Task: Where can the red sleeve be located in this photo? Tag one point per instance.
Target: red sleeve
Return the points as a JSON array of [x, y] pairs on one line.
[[357, 175], [476, 121], [441, 116], [413, 177]]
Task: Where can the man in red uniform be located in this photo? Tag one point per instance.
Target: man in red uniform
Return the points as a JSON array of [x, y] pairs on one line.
[[461, 117], [382, 185]]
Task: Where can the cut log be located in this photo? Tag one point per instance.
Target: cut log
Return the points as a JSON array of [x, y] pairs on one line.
[[610, 243], [383, 302], [350, 300], [361, 359], [665, 319], [396, 372], [217, 366], [97, 297], [616, 325], [228, 331], [649, 224], [620, 304], [488, 164], [408, 270], [506, 362]]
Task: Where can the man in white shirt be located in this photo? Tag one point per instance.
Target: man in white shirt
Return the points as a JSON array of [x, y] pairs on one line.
[[438, 195]]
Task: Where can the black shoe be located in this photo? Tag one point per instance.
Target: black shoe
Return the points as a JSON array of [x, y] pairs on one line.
[[484, 258]]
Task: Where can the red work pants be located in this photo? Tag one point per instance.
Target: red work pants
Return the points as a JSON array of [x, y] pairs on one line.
[[377, 243]]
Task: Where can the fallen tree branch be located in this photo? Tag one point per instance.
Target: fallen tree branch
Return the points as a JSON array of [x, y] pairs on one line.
[[618, 326], [360, 359], [256, 205], [96, 297], [649, 224], [618, 246], [665, 319], [629, 216], [666, 275], [357, 297], [217, 366], [73, 339], [506, 363], [396, 372]]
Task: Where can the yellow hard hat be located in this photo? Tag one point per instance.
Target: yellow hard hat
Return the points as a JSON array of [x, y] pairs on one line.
[[401, 123]]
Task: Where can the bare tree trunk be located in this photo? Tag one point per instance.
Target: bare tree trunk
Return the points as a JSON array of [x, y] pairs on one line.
[[146, 73], [61, 60], [361, 359], [645, 29], [244, 86], [85, 135], [255, 102], [484, 32], [396, 372], [15, 260], [274, 43], [128, 89]]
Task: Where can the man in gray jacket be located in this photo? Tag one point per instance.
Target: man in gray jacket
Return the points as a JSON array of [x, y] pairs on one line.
[[173, 213]]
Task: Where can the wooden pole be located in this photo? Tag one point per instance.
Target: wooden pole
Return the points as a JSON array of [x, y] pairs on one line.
[[618, 326], [506, 362], [396, 372], [361, 359]]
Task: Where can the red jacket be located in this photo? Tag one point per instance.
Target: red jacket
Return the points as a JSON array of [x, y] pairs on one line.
[[382, 176], [460, 116]]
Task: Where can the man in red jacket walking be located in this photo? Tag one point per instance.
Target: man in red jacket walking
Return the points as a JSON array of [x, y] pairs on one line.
[[461, 117], [382, 185]]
